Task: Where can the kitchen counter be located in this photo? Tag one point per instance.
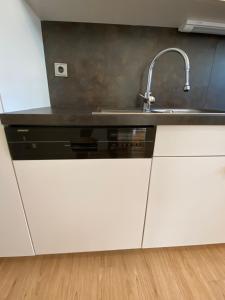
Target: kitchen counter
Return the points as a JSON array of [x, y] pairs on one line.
[[58, 117]]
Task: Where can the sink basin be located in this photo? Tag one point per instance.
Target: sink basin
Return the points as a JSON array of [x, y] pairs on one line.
[[159, 111]]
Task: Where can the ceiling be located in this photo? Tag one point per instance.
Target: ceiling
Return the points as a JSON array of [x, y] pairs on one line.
[[168, 13]]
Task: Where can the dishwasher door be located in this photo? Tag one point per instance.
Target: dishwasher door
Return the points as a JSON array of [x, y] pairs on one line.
[[84, 205]]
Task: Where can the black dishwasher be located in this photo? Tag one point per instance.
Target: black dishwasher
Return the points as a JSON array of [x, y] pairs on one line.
[[59, 142]]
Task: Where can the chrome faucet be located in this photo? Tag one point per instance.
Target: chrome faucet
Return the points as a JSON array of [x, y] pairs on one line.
[[148, 97]]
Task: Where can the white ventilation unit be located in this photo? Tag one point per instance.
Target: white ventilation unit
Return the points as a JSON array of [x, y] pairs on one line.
[[196, 26]]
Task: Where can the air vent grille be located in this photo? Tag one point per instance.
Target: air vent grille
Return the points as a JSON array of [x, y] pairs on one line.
[[203, 27]]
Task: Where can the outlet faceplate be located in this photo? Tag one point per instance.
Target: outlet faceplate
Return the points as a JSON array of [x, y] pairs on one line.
[[61, 70]]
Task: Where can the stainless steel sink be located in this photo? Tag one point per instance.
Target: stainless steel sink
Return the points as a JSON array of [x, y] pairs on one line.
[[185, 111], [158, 111]]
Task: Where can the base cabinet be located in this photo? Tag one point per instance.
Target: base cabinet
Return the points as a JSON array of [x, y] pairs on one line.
[[186, 204], [14, 234], [84, 205]]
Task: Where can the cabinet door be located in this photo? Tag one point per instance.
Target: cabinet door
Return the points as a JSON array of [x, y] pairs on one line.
[[84, 205], [14, 234], [186, 203]]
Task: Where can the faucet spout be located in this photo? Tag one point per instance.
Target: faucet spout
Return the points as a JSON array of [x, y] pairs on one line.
[[148, 93]]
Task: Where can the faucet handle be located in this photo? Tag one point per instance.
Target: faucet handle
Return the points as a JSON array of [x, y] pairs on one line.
[[143, 96], [147, 98]]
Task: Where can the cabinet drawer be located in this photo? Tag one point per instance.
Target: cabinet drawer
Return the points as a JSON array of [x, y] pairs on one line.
[[190, 141]]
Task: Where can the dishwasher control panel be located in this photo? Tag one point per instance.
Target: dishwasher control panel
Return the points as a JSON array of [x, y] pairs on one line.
[[59, 142]]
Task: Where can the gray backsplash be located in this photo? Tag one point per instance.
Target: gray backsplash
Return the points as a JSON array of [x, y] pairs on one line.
[[107, 66]]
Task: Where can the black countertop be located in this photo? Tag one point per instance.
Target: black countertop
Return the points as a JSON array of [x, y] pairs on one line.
[[48, 116]]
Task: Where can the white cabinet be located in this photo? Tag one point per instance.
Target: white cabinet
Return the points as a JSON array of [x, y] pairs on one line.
[[186, 204], [14, 234], [84, 205]]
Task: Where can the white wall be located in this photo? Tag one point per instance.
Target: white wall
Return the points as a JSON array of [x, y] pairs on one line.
[[23, 79], [1, 107]]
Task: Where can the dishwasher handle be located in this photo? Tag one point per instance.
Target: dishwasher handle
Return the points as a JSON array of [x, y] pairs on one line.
[[84, 146]]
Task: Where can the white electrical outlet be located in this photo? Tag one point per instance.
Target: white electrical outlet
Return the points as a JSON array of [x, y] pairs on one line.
[[61, 70]]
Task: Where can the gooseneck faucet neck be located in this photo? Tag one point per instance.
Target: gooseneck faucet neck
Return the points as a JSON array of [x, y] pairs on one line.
[[148, 94]]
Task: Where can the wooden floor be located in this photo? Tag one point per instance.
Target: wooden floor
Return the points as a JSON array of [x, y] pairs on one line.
[[177, 273]]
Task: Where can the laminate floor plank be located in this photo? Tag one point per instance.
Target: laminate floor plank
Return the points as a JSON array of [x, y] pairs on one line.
[[184, 273]]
